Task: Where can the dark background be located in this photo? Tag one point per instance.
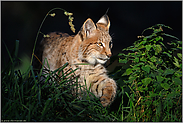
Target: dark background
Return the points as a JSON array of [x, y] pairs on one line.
[[21, 21]]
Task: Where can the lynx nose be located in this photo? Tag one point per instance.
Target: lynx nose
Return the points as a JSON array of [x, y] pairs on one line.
[[109, 55]]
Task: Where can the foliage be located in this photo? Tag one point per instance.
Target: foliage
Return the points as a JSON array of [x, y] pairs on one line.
[[149, 85], [46, 97], [153, 77]]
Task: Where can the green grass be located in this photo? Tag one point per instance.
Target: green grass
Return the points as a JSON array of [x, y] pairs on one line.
[[27, 97]]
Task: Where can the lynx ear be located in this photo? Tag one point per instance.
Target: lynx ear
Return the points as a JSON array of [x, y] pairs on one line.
[[104, 23], [87, 28]]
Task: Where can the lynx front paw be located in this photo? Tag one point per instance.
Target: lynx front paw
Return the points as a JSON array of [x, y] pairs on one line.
[[108, 94]]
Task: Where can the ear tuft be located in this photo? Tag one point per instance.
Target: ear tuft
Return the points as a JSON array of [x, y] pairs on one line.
[[104, 23], [87, 28]]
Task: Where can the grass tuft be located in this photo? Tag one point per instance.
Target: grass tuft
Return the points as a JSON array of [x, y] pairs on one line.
[[149, 86]]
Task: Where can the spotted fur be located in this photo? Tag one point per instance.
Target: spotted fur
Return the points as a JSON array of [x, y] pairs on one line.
[[91, 45]]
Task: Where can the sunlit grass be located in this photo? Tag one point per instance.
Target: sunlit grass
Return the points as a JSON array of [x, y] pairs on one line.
[[25, 96]]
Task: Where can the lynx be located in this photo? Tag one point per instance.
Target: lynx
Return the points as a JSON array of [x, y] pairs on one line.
[[91, 45]]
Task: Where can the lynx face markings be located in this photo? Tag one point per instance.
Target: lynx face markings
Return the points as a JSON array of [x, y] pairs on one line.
[[91, 45], [97, 52], [97, 41]]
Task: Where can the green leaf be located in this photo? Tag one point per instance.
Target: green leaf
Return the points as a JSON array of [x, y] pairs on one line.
[[141, 89], [124, 74], [159, 38], [177, 81], [164, 26], [146, 68], [172, 95], [159, 78], [152, 65], [170, 36], [165, 86], [148, 47], [143, 59], [162, 44], [179, 55], [157, 49], [159, 61], [178, 74], [133, 49], [146, 81], [141, 63], [153, 59], [121, 54], [152, 94], [143, 54], [167, 54], [146, 30], [156, 31], [168, 71], [132, 78], [152, 75], [136, 68], [157, 87], [142, 42], [148, 37], [136, 59], [160, 71], [129, 71], [176, 63], [123, 61]]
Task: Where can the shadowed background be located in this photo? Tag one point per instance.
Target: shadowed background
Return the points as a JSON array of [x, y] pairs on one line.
[[21, 21]]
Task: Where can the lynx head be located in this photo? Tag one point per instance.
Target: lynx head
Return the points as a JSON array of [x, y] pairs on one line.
[[96, 43]]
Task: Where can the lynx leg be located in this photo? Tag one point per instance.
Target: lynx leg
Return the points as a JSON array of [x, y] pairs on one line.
[[106, 91]]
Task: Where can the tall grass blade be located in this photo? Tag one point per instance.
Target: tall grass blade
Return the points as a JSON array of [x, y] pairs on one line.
[[11, 59], [16, 48]]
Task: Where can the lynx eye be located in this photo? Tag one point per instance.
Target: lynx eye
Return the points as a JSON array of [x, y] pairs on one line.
[[99, 44], [110, 44]]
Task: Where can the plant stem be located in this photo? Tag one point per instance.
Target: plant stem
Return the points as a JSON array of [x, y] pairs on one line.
[[40, 29]]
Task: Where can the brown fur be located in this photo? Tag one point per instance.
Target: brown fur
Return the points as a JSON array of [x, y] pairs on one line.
[[90, 45]]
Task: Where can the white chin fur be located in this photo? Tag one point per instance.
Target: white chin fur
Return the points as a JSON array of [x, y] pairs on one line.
[[93, 60], [101, 61]]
